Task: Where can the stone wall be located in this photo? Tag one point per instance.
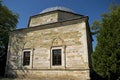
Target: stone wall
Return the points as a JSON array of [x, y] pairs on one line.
[[51, 17], [52, 74], [70, 38], [44, 19]]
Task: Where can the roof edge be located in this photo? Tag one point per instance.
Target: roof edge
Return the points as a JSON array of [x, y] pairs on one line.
[[84, 17]]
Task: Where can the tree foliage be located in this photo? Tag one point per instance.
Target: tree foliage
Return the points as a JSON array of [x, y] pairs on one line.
[[8, 21], [106, 57]]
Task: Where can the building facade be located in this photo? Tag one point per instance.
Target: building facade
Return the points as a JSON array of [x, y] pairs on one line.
[[56, 45]]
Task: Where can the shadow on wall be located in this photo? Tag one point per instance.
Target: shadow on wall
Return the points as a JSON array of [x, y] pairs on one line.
[[14, 56]]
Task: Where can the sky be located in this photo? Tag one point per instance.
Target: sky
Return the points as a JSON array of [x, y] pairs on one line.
[[27, 8]]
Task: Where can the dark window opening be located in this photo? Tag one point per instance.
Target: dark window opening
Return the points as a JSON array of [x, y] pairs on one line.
[[26, 58], [56, 57]]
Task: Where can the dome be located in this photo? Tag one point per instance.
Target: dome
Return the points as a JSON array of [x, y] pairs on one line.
[[57, 8]]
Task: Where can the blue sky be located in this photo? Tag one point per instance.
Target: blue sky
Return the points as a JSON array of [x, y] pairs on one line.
[[27, 8]]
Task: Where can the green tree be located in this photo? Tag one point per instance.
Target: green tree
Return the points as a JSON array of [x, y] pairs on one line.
[[8, 21], [106, 57]]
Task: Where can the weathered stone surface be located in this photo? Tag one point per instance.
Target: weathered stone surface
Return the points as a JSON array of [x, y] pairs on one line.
[[39, 20], [51, 17], [52, 75], [71, 37]]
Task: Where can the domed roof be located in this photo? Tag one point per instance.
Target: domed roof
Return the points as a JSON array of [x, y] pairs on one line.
[[57, 8]]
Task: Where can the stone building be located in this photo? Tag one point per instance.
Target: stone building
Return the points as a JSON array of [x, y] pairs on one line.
[[56, 45]]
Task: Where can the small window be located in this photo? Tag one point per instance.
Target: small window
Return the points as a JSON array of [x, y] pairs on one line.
[[26, 58], [56, 57]]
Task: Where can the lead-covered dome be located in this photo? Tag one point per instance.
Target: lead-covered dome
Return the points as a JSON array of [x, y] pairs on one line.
[[57, 8]]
